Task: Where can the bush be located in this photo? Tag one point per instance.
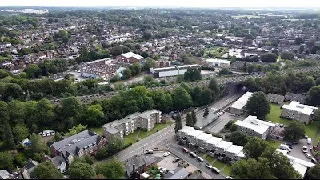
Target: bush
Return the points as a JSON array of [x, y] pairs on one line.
[[217, 135], [233, 128], [101, 154]]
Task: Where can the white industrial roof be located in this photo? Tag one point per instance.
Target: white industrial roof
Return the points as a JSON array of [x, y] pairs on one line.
[[204, 136], [253, 123], [218, 61], [234, 149], [214, 140], [296, 106], [194, 133], [186, 129], [131, 54], [242, 101], [224, 145], [241, 154]]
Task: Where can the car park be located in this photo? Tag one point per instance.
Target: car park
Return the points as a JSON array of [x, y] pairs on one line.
[[216, 170], [166, 154], [176, 160]]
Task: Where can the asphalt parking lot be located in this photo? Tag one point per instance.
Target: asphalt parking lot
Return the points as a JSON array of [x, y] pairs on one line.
[[297, 150]]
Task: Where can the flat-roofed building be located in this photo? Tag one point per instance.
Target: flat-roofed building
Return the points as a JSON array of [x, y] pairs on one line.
[[218, 63], [252, 126], [129, 124], [222, 146], [299, 112], [171, 71], [238, 106], [212, 143], [234, 152], [202, 140]]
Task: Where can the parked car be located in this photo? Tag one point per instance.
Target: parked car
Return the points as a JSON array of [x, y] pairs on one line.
[[216, 170], [308, 155], [185, 150], [192, 154], [176, 160], [149, 151], [166, 154], [309, 141], [200, 159], [304, 149], [285, 147], [209, 166], [281, 125], [313, 160], [228, 177], [156, 149]]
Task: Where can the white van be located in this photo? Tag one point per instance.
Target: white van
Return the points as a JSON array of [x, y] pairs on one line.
[[309, 141]]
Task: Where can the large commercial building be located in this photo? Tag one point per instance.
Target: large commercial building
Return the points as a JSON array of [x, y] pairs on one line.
[[252, 126], [129, 124], [238, 106], [171, 71], [129, 57], [299, 112], [218, 63]]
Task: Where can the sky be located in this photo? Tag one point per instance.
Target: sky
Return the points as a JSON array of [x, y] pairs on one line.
[[168, 3]]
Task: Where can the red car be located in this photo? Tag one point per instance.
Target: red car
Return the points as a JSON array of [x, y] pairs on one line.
[[185, 150]]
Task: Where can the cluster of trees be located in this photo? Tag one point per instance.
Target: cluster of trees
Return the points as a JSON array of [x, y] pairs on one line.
[[269, 57], [81, 168], [87, 56], [191, 119], [192, 74], [287, 55], [277, 83], [7, 20], [258, 105], [263, 162], [46, 68]]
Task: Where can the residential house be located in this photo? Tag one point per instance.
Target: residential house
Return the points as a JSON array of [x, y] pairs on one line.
[[129, 57], [129, 124], [252, 126], [139, 164], [78, 145], [299, 112], [275, 98], [179, 173], [28, 168], [295, 97], [238, 107], [4, 174]]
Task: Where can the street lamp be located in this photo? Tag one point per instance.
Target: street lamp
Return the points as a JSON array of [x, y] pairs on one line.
[[177, 67]]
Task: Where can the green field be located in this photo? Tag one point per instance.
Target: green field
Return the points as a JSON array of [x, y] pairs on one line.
[[275, 114], [218, 164], [141, 134], [209, 158], [216, 52], [98, 130], [227, 170], [273, 143]]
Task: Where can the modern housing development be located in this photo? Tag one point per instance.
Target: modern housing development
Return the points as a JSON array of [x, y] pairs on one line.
[[239, 106], [215, 147], [129, 124], [299, 112], [252, 126]]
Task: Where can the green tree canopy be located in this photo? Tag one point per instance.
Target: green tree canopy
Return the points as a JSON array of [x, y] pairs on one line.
[[258, 105], [239, 138], [189, 120], [181, 99], [112, 169], [314, 96], [80, 170], [178, 123], [294, 131], [313, 172], [254, 147], [38, 145], [46, 170], [6, 160]]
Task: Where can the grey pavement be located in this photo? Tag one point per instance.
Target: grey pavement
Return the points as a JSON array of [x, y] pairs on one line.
[[297, 150], [218, 125]]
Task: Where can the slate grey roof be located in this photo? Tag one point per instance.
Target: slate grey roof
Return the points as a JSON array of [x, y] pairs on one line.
[[139, 161], [179, 173], [73, 144], [57, 160]]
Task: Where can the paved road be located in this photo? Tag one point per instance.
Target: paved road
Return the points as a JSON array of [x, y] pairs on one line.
[[149, 142], [297, 150], [177, 150]]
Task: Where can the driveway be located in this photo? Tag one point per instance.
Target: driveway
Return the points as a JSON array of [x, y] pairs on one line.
[[218, 125], [297, 150]]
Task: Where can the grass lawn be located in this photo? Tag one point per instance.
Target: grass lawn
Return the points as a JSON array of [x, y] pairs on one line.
[[218, 164], [131, 138], [209, 158], [273, 143], [157, 127], [275, 114], [98, 130], [312, 129], [227, 170]]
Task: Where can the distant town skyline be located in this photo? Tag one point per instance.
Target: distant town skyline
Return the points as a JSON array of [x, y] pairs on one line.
[[168, 3]]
